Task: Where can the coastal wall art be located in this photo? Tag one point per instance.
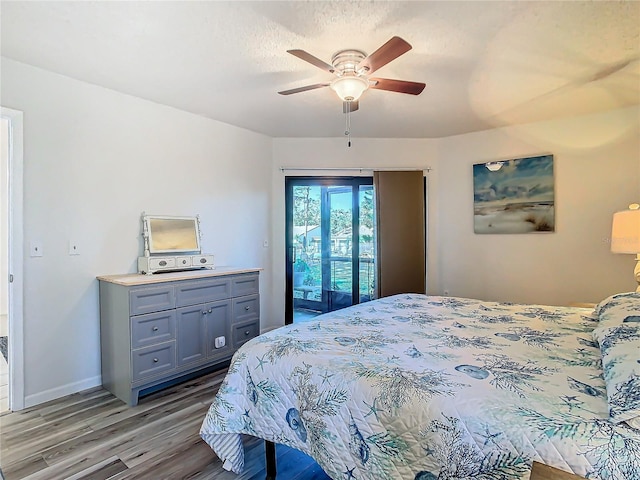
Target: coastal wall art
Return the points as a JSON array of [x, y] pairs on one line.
[[514, 196]]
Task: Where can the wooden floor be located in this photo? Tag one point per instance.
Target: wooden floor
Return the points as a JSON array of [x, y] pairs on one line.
[[93, 435]]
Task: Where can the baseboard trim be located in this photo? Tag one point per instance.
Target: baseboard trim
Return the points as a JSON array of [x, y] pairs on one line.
[[62, 391], [268, 329]]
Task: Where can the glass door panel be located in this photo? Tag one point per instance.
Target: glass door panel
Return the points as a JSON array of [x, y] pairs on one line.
[[330, 244], [339, 258], [307, 251], [367, 245]]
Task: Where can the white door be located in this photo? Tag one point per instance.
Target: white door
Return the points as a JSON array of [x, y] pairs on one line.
[[11, 259]]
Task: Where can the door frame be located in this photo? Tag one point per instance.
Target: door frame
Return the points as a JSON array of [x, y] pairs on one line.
[[325, 181], [16, 258]]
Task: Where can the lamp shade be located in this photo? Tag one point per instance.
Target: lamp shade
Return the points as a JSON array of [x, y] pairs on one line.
[[349, 88], [625, 231]]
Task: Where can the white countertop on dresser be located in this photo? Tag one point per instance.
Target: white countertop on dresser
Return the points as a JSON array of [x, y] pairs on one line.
[[130, 279]]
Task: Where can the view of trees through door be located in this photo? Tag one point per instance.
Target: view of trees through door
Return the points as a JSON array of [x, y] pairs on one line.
[[330, 244]]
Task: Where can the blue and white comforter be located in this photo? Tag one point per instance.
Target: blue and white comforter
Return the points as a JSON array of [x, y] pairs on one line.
[[419, 387]]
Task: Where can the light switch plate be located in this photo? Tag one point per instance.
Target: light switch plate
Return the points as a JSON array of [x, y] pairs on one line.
[[35, 248]]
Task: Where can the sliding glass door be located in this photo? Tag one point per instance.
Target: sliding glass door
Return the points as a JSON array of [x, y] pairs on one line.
[[330, 261]]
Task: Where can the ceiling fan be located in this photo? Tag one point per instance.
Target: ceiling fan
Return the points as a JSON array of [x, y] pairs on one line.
[[352, 69]]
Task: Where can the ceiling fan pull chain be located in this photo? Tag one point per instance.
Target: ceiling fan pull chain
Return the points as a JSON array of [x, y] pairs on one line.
[[347, 130]]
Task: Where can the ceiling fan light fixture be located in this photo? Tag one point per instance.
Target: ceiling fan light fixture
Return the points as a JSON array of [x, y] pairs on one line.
[[349, 88]]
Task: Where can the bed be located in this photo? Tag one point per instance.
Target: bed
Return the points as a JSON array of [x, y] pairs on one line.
[[424, 387]]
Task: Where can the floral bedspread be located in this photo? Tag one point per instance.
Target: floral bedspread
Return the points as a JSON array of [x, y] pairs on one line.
[[422, 387]]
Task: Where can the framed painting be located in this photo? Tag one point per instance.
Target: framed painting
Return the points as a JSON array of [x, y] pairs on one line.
[[514, 196]]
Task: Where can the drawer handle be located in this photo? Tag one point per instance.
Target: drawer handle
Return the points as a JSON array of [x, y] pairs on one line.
[[155, 360], [210, 310], [204, 312], [247, 307], [155, 329], [247, 332]]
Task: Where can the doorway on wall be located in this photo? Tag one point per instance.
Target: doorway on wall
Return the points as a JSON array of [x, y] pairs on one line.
[[330, 244], [11, 261]]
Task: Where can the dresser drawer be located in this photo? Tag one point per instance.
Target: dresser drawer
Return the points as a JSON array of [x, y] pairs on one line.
[[151, 299], [246, 308], [153, 360], [192, 293], [245, 285], [153, 328], [244, 332]]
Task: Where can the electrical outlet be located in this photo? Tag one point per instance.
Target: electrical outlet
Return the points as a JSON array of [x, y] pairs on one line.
[[220, 342], [74, 249], [35, 248], [265, 243]]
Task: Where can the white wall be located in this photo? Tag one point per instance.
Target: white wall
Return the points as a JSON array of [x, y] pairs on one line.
[[597, 172], [334, 153], [94, 160]]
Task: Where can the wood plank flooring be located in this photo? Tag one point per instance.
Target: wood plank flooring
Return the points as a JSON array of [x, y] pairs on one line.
[[93, 435]]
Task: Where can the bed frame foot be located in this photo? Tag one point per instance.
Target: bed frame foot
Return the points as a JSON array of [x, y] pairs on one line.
[[270, 457]]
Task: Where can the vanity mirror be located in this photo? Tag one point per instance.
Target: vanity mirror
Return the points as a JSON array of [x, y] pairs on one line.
[[171, 243], [172, 234]]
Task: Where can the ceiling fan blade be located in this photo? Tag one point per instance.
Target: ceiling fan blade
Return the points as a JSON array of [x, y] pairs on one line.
[[387, 52], [304, 89], [350, 108], [400, 86], [307, 57]]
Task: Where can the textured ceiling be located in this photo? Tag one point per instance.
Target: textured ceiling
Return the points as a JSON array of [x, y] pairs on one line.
[[485, 64]]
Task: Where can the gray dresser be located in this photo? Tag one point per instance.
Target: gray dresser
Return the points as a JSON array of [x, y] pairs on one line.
[[158, 328]]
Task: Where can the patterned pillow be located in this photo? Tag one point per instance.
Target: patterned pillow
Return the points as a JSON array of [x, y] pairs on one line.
[[618, 334], [614, 307]]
